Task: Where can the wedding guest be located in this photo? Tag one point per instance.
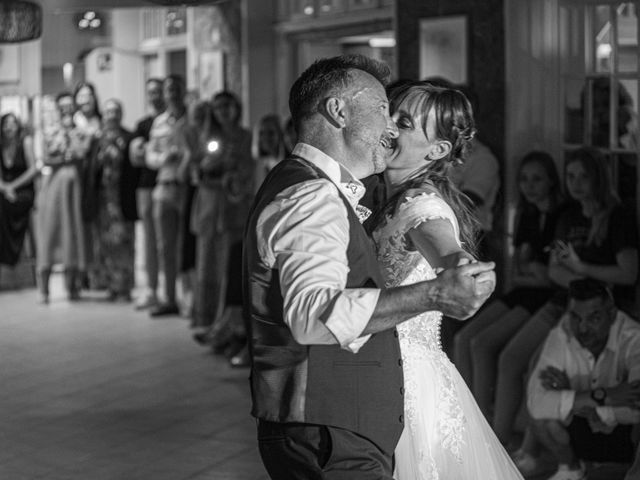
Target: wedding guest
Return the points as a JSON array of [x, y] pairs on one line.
[[212, 163], [584, 391], [168, 148], [145, 181], [198, 115], [478, 343], [268, 146], [88, 122], [60, 236], [17, 171], [232, 171], [116, 204], [595, 238]]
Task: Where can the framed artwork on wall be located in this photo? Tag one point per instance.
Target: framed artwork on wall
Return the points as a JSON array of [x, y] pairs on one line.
[[444, 48], [211, 73], [9, 64]]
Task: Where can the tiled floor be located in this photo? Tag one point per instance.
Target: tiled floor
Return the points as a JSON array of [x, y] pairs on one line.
[[98, 391]]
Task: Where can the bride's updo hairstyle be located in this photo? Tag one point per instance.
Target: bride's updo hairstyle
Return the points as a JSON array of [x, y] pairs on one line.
[[453, 123]]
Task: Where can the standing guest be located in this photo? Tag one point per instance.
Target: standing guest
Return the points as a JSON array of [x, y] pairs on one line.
[[17, 171], [165, 152], [211, 163], [59, 211], [198, 117], [145, 181], [595, 238], [239, 190], [478, 343], [268, 146], [584, 392], [88, 121], [326, 374], [227, 186], [116, 204]]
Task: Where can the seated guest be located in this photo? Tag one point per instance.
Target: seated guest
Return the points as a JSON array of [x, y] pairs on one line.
[[595, 238], [17, 170], [584, 392], [478, 344]]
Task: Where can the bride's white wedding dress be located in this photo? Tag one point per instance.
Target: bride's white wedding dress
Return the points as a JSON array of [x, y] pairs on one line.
[[446, 436]]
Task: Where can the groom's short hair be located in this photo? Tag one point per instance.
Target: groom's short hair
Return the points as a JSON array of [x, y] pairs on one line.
[[326, 75]]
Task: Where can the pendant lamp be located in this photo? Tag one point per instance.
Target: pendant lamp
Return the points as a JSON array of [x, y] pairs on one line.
[[20, 21]]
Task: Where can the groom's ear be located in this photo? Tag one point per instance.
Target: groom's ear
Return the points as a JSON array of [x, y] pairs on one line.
[[333, 109], [439, 150]]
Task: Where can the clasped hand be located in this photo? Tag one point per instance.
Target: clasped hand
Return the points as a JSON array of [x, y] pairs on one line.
[[8, 192], [466, 287]]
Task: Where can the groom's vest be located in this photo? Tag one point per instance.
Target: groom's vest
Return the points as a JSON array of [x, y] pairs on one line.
[[318, 384]]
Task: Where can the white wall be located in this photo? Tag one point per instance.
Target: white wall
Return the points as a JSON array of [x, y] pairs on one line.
[[258, 60], [21, 72], [124, 81]]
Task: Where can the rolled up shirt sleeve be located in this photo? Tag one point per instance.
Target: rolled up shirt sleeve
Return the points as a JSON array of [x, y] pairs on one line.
[[304, 234]]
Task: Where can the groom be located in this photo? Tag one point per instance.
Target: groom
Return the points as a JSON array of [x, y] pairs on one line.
[[326, 371]]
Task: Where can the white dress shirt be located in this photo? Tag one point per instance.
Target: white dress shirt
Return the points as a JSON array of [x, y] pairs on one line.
[[304, 234], [619, 362]]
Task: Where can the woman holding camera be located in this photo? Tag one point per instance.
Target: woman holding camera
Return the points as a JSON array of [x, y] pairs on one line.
[[225, 171]]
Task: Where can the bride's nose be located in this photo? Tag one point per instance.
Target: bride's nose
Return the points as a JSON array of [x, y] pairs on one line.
[[392, 128]]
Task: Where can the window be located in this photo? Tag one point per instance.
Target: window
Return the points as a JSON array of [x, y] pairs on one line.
[[600, 81]]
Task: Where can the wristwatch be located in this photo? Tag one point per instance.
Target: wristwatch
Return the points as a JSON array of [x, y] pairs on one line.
[[599, 395]]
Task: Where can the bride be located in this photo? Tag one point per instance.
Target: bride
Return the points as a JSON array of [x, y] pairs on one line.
[[425, 226]]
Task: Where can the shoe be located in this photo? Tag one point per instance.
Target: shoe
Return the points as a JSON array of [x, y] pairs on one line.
[[241, 359], [526, 463], [43, 299], [148, 301], [201, 338], [564, 473], [164, 309]]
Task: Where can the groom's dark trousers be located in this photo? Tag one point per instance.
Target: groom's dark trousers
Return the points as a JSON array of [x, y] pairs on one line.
[[298, 451]]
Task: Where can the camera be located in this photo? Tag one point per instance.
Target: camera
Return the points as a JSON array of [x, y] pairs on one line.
[[213, 146]]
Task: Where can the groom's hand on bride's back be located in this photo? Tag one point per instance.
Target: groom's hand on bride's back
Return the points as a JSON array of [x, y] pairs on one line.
[[465, 288]]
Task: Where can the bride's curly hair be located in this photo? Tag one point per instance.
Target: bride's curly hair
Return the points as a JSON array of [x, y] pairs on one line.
[[453, 123]]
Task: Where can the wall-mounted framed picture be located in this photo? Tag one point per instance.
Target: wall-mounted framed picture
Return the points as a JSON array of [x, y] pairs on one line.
[[211, 73], [444, 48], [9, 64]]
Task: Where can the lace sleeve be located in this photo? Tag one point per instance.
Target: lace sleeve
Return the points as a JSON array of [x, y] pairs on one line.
[[423, 207]]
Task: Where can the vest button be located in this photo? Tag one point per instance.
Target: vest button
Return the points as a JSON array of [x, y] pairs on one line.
[[401, 390], [401, 419], [400, 361]]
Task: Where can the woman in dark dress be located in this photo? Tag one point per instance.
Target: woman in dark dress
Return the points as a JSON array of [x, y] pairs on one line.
[[17, 170]]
